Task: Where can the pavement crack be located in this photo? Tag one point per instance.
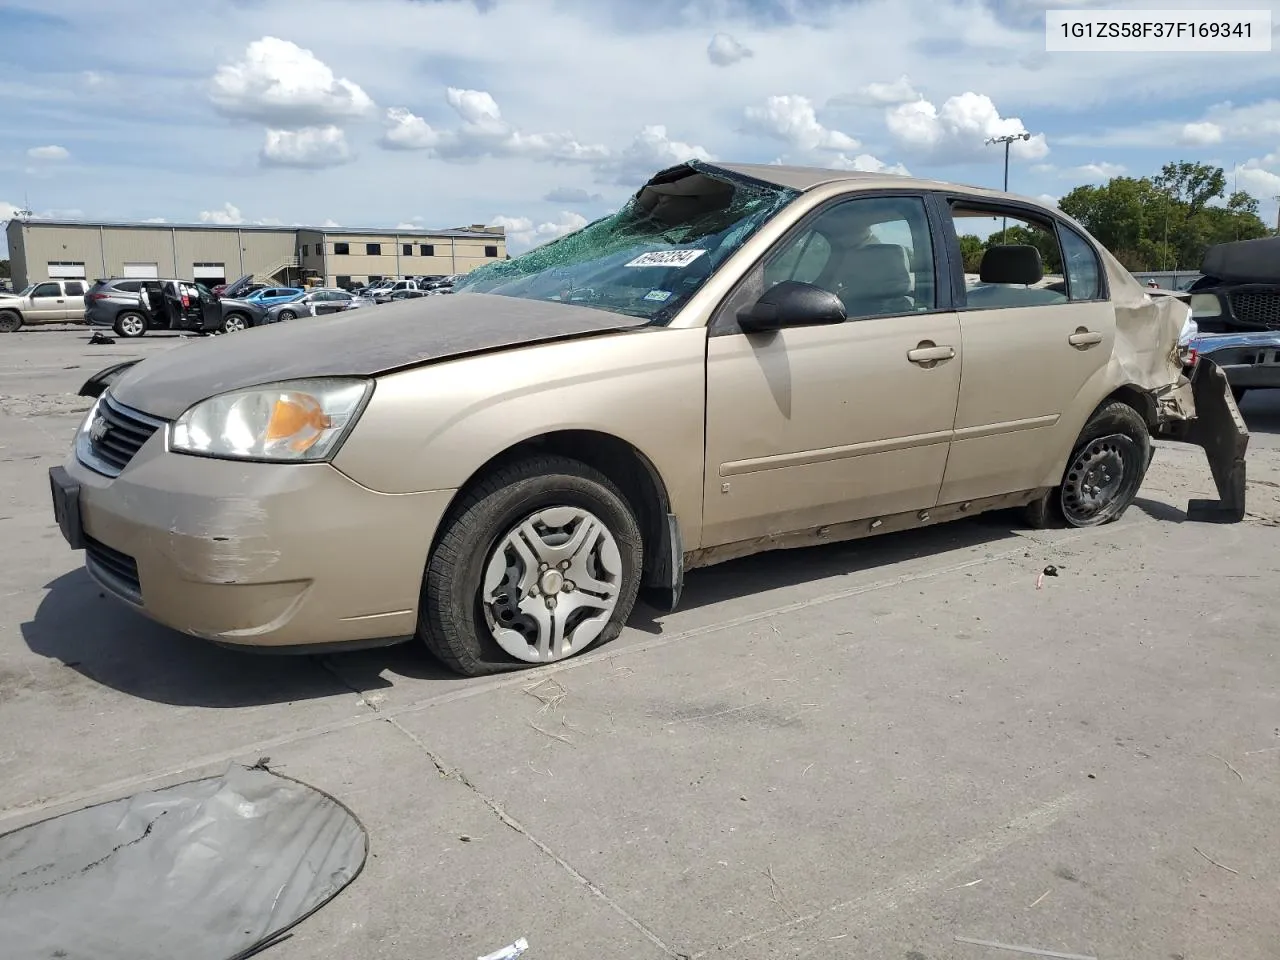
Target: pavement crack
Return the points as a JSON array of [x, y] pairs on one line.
[[496, 808]]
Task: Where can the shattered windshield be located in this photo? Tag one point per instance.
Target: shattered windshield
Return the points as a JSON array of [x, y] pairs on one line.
[[651, 256]]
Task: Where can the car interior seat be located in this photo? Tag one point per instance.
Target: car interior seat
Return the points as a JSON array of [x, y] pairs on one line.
[[1006, 275], [874, 280]]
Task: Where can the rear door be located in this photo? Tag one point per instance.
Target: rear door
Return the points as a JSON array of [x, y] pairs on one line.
[[48, 303], [1035, 354], [73, 292]]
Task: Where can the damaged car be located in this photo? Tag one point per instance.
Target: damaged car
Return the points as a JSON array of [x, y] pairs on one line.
[[742, 358], [1236, 306]]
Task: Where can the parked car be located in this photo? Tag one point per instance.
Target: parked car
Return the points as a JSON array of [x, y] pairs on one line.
[[132, 307], [385, 293], [742, 358], [49, 301], [316, 303], [238, 289], [406, 295], [270, 296], [1251, 361], [1240, 289]]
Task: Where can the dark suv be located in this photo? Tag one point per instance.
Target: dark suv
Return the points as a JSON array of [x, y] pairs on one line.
[[131, 307]]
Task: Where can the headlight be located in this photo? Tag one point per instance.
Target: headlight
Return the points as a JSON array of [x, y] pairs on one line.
[[1205, 305], [297, 421]]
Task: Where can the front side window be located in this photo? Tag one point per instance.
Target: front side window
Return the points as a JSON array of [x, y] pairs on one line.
[[874, 253], [46, 290], [1011, 260], [651, 256]]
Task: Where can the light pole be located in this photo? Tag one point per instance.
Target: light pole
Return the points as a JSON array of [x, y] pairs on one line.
[[1007, 139], [1277, 216]]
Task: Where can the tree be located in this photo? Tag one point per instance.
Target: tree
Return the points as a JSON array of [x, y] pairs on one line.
[[4, 270], [972, 248], [1194, 184]]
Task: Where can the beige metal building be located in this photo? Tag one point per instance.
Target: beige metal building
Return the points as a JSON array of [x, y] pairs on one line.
[[214, 254]]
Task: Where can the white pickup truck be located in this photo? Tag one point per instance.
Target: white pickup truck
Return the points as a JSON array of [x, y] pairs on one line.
[[49, 301]]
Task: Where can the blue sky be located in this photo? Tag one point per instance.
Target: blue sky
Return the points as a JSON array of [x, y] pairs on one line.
[[542, 114]]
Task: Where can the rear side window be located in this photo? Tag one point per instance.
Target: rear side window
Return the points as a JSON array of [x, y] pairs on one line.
[[1084, 272], [128, 286], [74, 288]]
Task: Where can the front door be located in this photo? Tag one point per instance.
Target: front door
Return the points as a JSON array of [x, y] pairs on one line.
[[48, 303], [1034, 353], [818, 425]]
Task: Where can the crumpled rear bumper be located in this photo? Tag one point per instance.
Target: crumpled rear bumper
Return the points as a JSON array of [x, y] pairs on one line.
[[1203, 411]]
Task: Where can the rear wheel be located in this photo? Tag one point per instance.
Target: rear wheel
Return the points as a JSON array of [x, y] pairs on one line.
[[537, 564], [130, 325], [1105, 471], [10, 321], [287, 315], [234, 323]]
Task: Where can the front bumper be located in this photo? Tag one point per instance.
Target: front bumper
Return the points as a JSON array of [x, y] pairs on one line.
[[253, 554]]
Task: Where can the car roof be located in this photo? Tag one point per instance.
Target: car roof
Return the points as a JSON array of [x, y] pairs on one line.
[[810, 178]]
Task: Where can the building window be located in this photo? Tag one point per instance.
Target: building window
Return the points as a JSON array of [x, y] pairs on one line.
[[490, 251], [406, 249], [305, 249], [426, 250], [374, 279], [373, 249], [342, 281], [341, 249]]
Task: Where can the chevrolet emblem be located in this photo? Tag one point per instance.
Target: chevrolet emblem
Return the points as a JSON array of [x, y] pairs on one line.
[[98, 430]]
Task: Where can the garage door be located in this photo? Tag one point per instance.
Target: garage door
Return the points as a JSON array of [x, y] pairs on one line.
[[210, 271], [66, 270], [142, 271]]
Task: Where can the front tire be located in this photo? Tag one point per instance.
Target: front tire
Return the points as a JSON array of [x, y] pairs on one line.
[[130, 325], [537, 564], [10, 321], [235, 323], [286, 315]]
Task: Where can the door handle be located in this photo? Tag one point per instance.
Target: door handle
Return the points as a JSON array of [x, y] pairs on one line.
[[1084, 338], [927, 352]]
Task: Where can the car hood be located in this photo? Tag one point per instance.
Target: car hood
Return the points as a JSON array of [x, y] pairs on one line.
[[403, 334]]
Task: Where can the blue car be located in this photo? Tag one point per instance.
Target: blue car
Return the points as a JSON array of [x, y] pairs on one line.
[[270, 296]]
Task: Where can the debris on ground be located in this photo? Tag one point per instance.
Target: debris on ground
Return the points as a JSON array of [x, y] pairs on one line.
[[1051, 571], [100, 338], [509, 952]]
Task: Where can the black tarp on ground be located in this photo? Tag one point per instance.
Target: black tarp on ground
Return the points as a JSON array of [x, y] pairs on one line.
[[206, 870]]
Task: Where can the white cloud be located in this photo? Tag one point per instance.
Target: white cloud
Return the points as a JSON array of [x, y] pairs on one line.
[[308, 148], [330, 224], [882, 94], [283, 85], [1200, 134], [1099, 171], [651, 150], [93, 79], [1253, 178], [8, 211], [51, 152], [483, 132], [155, 220], [792, 118], [724, 50], [1048, 198], [866, 163], [959, 129], [406, 225], [228, 214], [523, 234]]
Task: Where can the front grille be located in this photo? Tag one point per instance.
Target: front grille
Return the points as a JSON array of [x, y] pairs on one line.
[[118, 432], [1260, 307], [115, 570]]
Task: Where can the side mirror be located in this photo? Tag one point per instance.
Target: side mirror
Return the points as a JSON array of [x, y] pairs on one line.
[[791, 304]]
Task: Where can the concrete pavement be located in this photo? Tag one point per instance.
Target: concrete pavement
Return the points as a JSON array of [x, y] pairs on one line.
[[862, 750]]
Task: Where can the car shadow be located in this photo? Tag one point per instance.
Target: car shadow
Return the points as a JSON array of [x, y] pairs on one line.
[[109, 644]]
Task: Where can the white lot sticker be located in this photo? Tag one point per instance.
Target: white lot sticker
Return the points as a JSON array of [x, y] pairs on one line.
[[658, 295], [666, 258]]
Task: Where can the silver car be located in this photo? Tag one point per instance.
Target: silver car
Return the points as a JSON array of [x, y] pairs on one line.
[[316, 303]]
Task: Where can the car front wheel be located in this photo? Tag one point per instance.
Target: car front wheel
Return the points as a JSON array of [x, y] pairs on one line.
[[10, 321], [538, 563], [234, 323], [287, 315]]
